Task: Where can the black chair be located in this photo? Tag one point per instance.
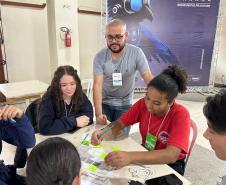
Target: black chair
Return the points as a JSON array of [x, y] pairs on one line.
[[31, 112]]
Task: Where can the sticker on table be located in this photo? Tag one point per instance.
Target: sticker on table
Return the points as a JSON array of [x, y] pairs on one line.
[[98, 146], [116, 148], [85, 142], [103, 155], [92, 168]]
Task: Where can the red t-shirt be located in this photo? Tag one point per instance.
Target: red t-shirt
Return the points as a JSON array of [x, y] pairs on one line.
[[175, 129]]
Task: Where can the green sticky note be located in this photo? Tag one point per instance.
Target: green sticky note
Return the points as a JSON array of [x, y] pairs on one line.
[[103, 155], [85, 142], [92, 168], [116, 148], [98, 146]]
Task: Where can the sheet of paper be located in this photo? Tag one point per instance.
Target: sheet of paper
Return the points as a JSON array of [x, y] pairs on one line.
[[94, 170], [95, 174]]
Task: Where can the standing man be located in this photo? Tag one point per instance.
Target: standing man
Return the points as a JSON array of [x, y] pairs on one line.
[[114, 72]]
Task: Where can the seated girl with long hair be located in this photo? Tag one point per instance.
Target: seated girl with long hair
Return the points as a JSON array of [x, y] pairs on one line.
[[64, 107]]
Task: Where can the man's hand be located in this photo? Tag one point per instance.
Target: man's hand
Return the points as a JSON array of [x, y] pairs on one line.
[[10, 112], [118, 159], [101, 119], [82, 121]]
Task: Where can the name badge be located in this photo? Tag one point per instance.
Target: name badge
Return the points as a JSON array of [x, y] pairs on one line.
[[117, 79], [150, 142]]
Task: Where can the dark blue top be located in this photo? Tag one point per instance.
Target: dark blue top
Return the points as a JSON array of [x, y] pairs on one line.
[[53, 121], [19, 133]]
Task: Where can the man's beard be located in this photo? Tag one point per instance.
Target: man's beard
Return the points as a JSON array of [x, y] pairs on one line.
[[118, 50]]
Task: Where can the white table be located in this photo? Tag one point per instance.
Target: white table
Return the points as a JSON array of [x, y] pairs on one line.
[[22, 91], [121, 176]]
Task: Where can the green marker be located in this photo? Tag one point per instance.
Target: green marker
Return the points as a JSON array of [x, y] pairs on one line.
[[105, 131]]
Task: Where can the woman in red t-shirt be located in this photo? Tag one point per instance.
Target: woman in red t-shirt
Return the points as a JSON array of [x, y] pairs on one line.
[[164, 124]]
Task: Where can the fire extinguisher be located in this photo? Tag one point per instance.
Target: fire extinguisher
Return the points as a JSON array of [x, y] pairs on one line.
[[67, 36], [67, 39]]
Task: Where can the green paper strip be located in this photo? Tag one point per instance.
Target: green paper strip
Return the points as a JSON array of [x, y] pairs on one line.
[[103, 155], [85, 142], [98, 146], [116, 148], [92, 168]]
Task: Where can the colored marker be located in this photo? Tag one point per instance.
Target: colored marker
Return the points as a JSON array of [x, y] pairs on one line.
[[85, 138], [105, 131]]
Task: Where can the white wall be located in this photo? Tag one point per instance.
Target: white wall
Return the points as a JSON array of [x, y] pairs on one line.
[[31, 53], [63, 14], [26, 42], [220, 74], [90, 29]]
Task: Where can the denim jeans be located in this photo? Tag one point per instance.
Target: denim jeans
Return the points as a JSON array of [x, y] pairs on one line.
[[114, 112]]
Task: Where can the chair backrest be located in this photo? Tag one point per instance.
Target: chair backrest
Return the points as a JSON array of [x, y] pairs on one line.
[[194, 129], [32, 111], [87, 85]]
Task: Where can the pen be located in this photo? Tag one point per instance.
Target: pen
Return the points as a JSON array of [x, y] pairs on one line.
[[85, 138], [12, 120], [105, 131]]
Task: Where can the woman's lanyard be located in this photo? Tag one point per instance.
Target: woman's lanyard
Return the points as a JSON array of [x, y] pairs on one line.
[[151, 140], [65, 108]]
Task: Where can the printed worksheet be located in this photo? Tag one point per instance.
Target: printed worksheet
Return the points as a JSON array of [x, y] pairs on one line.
[[94, 170]]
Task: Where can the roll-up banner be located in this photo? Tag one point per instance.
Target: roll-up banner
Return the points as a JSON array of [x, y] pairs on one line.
[[169, 32]]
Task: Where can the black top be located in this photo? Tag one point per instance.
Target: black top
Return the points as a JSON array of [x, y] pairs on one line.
[[53, 121]]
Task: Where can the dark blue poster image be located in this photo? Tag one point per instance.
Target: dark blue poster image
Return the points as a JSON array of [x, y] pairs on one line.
[[169, 32]]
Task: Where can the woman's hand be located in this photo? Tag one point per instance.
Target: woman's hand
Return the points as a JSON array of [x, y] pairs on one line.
[[95, 139], [82, 121], [10, 112], [118, 159]]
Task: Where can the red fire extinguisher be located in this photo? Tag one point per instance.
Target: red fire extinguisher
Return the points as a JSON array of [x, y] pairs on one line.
[[67, 39], [67, 36]]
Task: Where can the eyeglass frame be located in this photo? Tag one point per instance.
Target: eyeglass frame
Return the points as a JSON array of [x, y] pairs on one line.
[[119, 39]]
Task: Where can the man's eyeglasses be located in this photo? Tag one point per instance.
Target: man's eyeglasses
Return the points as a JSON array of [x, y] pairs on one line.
[[117, 37]]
